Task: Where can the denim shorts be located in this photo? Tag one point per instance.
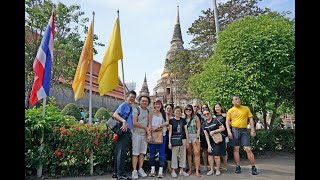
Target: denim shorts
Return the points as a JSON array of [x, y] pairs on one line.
[[240, 136]]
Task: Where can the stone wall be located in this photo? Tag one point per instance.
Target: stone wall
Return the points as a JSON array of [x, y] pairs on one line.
[[65, 95]]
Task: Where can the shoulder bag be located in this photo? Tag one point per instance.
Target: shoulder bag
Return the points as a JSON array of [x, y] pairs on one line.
[[157, 137], [176, 139], [115, 125], [217, 138]]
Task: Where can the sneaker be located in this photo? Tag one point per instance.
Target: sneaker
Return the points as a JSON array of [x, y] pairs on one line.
[[152, 172], [134, 174], [210, 173], [254, 170], [160, 173], [114, 175], [238, 169], [182, 173], [142, 173], [173, 174], [218, 173]]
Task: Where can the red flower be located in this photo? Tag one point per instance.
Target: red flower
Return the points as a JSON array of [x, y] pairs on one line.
[[77, 128], [71, 151], [88, 151], [96, 142], [57, 152], [70, 134], [77, 144], [63, 131]]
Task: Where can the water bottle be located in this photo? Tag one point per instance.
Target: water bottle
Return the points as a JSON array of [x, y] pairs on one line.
[[178, 128], [151, 139]]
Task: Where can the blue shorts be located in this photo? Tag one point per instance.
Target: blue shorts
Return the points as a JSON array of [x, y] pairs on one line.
[[240, 136]]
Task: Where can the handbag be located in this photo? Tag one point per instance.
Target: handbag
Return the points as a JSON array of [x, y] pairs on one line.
[[176, 139], [217, 137], [157, 137], [115, 125]]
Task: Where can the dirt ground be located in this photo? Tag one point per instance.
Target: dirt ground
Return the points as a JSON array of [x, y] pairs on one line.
[[275, 166]]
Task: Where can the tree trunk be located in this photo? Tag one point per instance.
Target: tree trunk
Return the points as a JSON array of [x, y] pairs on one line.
[[274, 113]]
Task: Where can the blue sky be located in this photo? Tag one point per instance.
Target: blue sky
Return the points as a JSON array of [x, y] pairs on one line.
[[146, 30]]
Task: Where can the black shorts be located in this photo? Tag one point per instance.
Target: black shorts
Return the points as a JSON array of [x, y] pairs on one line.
[[240, 136]]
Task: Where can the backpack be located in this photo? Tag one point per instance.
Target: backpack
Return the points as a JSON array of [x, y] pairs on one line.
[[138, 108]]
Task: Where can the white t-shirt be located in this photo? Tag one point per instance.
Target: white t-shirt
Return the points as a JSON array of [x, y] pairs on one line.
[[156, 121]]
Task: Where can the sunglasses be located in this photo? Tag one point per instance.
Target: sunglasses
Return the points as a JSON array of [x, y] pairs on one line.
[[206, 114], [188, 110]]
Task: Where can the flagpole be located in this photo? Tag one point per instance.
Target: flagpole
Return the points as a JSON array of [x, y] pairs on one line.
[[124, 90], [90, 94], [40, 166], [39, 169]]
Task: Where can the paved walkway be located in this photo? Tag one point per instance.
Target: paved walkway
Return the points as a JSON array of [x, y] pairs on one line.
[[275, 166]]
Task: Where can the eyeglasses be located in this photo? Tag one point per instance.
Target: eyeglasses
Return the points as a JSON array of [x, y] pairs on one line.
[[188, 110], [204, 107], [206, 114]]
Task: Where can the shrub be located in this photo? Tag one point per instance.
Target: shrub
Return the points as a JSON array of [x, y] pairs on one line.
[[48, 125], [102, 112], [72, 110]]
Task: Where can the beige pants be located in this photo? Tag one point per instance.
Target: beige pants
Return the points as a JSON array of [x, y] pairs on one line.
[[182, 152]]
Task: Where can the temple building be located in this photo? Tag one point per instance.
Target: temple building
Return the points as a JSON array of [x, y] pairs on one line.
[[166, 88]]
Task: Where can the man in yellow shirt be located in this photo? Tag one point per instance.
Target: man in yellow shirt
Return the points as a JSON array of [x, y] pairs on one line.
[[236, 122]]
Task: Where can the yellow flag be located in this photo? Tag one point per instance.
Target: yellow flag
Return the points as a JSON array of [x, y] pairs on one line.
[[85, 58], [108, 75]]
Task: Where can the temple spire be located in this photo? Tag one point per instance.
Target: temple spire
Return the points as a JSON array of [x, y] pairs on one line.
[[176, 44], [178, 19], [144, 89], [177, 37]]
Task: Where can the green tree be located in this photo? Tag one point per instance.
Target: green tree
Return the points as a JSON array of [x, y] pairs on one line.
[[69, 25], [255, 58], [203, 29]]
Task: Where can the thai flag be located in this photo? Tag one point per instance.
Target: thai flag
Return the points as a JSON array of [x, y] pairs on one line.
[[42, 65]]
